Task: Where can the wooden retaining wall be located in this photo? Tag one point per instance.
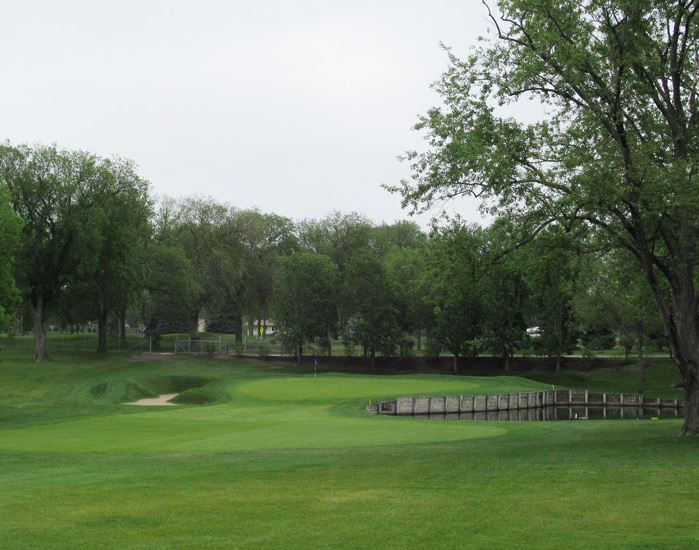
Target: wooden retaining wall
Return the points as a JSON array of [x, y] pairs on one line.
[[410, 406]]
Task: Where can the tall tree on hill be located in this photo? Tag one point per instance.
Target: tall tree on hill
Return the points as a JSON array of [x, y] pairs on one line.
[[50, 191], [618, 151]]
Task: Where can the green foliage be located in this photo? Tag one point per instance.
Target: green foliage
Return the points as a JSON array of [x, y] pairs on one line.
[[53, 192], [338, 236], [408, 270], [369, 299], [456, 281], [10, 226], [305, 297], [550, 269]]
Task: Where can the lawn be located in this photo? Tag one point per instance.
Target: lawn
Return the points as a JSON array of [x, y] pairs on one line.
[[266, 456]]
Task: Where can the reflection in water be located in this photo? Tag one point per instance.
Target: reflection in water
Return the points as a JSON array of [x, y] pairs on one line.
[[564, 412]]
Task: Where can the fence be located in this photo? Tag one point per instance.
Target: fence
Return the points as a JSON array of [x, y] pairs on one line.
[[193, 345], [411, 406]]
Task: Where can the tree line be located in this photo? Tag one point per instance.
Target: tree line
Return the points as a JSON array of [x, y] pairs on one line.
[[85, 242]]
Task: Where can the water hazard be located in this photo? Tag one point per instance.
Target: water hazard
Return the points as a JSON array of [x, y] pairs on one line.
[[563, 412]]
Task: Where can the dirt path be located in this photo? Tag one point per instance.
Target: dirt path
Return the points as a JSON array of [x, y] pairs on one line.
[[160, 401]]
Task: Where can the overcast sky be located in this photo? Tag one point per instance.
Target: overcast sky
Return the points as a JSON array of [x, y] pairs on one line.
[[298, 108]]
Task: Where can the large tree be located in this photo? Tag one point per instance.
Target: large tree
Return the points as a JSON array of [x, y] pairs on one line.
[[191, 227], [120, 219], [51, 191], [457, 289], [305, 298], [550, 266], [617, 150], [370, 301]]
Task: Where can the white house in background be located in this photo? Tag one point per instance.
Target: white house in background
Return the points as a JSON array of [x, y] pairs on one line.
[[534, 332], [268, 326]]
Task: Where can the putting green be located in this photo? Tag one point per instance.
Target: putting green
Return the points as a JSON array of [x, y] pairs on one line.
[[263, 414], [338, 387]]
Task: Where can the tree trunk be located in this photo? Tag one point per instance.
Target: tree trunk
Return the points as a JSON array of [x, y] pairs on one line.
[[419, 339], [691, 406], [39, 312], [101, 328], [639, 346], [299, 354], [455, 364], [193, 326], [558, 363], [238, 328], [259, 327], [121, 327], [680, 322], [506, 357]]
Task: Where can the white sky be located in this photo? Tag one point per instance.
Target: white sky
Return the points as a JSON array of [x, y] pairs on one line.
[[298, 108]]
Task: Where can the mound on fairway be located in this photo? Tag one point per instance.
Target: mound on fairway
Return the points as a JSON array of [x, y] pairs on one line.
[[269, 413]]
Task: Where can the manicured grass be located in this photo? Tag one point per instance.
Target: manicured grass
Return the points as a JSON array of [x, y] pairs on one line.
[[277, 458]]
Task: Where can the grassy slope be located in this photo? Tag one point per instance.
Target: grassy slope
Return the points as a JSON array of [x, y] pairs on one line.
[[288, 461]]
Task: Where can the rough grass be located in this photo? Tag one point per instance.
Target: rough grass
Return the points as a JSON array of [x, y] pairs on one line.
[[277, 458]]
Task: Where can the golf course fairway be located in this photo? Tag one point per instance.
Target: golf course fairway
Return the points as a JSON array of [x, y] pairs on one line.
[[269, 456]]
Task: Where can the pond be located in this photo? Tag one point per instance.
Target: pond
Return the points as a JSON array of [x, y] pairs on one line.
[[563, 412]]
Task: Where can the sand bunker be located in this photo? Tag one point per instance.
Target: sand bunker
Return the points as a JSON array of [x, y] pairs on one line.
[[160, 401]]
